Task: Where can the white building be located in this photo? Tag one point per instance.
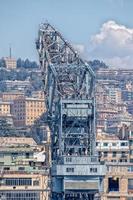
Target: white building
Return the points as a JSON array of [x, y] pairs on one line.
[[10, 63]]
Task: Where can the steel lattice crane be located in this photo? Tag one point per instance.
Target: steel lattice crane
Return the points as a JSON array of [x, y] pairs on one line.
[[69, 98]]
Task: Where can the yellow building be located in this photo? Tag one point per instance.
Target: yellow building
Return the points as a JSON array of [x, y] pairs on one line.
[[34, 109], [10, 63], [5, 108], [27, 110]]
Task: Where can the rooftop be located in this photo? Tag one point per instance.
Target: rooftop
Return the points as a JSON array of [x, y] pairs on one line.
[[10, 141]]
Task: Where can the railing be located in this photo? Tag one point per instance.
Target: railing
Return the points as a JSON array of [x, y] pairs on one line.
[[78, 160], [43, 171]]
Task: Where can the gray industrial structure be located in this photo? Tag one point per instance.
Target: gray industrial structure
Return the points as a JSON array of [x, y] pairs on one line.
[[70, 101]]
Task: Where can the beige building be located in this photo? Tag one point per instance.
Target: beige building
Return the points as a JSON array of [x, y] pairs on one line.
[[10, 63], [116, 153], [118, 182], [19, 185], [10, 141], [115, 95], [23, 169], [5, 108], [10, 96], [27, 110]]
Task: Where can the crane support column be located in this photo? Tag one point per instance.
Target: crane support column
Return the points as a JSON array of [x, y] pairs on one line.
[[70, 101]]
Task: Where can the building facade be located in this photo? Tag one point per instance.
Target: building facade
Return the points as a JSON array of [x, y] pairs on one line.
[[118, 182], [5, 108], [23, 170], [27, 110], [10, 96], [17, 85], [10, 63], [117, 154]]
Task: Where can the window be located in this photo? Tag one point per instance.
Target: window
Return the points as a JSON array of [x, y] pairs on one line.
[[21, 168], [97, 143], [105, 154], [124, 144], [7, 168], [69, 169], [99, 153], [131, 142], [113, 144], [105, 144], [130, 169], [1, 155], [14, 154], [113, 184], [93, 170], [123, 154], [113, 160], [18, 181], [27, 155], [114, 154], [123, 160], [130, 184], [36, 183], [131, 152], [68, 159], [17, 195]]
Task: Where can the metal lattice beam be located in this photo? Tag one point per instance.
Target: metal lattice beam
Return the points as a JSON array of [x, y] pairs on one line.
[[70, 103]]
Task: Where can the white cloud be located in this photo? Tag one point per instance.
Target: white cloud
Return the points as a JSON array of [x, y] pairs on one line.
[[114, 45], [79, 48]]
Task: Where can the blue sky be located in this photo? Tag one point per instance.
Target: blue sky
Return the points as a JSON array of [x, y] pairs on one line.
[[78, 20]]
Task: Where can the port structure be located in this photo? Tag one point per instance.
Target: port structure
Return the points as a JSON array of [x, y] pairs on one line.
[[70, 102]]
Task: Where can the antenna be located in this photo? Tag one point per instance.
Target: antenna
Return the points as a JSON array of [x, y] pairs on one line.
[[10, 51]]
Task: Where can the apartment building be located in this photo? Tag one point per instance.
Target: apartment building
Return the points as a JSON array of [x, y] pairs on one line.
[[115, 94], [114, 72], [111, 149], [27, 110], [23, 169], [5, 107], [118, 182], [10, 96], [118, 156], [127, 95], [102, 96], [17, 85]]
